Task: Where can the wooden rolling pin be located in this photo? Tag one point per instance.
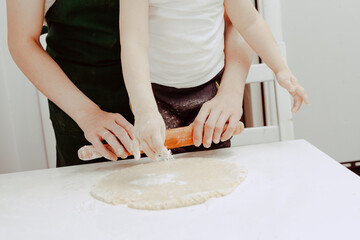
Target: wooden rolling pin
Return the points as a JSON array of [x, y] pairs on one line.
[[176, 137]]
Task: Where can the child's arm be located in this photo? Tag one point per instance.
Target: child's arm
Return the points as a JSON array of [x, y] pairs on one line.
[[255, 31], [25, 19], [226, 106], [134, 37]]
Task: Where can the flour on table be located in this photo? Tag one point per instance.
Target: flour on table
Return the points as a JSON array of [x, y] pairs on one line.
[[169, 184]]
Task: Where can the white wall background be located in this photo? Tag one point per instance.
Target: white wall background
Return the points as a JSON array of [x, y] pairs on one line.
[[322, 39], [21, 134], [323, 49]]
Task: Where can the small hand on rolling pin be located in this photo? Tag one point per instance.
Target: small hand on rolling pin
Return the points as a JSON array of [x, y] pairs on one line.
[[177, 137], [150, 132]]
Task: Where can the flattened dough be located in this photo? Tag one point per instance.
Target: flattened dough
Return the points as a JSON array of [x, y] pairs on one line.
[[169, 184]]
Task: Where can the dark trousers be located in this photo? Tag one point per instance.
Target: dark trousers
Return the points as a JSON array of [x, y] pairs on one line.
[[179, 107]]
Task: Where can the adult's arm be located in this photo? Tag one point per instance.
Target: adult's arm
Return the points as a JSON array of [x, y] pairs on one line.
[[226, 106], [25, 19]]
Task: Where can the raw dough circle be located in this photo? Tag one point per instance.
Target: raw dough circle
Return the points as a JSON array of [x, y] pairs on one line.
[[169, 184]]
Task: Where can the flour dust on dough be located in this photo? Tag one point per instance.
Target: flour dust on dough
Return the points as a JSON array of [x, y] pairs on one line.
[[169, 184]]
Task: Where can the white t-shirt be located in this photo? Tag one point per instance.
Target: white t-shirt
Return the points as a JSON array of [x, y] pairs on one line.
[[186, 47]]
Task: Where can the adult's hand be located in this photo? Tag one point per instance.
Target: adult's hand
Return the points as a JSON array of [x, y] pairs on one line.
[[225, 107], [150, 132], [99, 125], [288, 81]]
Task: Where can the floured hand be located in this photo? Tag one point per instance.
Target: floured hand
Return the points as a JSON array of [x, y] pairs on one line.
[[150, 132]]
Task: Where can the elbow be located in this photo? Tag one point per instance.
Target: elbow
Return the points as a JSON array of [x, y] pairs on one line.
[[128, 44], [16, 50], [21, 45], [12, 46], [133, 48]]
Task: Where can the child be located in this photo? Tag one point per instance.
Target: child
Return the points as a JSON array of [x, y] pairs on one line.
[[178, 46]]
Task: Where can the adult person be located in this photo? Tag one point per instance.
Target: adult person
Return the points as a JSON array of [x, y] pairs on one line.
[[80, 72]]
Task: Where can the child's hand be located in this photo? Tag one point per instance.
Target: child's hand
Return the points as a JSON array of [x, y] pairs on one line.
[[288, 81], [225, 107], [150, 132]]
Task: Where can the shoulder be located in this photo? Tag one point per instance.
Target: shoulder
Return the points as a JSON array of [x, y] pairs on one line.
[[48, 4]]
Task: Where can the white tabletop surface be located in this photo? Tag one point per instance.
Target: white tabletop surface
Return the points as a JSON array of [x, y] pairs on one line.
[[292, 191]]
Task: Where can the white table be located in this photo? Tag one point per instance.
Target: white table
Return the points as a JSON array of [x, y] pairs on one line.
[[293, 191]]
